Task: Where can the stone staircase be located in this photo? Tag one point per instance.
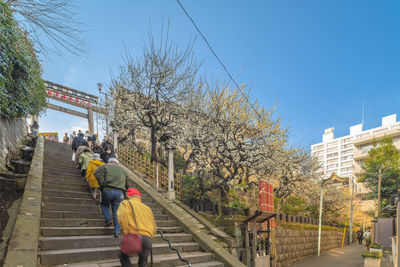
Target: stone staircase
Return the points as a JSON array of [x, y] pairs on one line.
[[72, 231]]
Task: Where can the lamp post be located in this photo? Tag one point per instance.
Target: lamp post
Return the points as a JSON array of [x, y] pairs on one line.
[[100, 86]]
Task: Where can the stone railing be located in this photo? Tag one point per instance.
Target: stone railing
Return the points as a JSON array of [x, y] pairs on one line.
[[154, 173]]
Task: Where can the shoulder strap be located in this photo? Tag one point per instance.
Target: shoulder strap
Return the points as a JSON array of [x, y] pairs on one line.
[[134, 217]]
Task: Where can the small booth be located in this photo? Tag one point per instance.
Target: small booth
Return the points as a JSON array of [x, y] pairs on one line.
[[256, 232]]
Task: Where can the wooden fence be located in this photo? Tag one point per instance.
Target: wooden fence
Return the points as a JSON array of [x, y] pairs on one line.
[[133, 160]]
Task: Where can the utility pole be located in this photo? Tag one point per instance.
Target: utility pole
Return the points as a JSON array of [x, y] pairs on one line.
[[379, 191]]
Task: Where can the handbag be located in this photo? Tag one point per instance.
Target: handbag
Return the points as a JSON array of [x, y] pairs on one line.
[[131, 243]]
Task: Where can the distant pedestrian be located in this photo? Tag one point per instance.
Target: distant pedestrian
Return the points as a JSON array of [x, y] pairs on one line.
[[88, 137], [94, 138], [78, 141], [360, 235], [109, 143], [66, 138], [72, 136], [113, 182], [80, 150], [35, 128], [107, 153], [367, 237], [136, 218], [95, 163], [84, 159], [97, 148]]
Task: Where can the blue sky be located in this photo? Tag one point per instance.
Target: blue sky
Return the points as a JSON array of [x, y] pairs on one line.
[[318, 60]]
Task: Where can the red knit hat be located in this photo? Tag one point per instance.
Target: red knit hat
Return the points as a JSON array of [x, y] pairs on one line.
[[133, 191]]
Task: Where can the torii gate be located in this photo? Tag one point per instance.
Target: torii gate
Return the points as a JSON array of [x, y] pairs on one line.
[[76, 98]]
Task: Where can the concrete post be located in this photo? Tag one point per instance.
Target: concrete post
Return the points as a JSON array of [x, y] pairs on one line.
[[351, 183], [90, 121], [116, 145], [320, 216], [171, 190]]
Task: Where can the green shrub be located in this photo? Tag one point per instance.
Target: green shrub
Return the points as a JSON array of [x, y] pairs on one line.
[[22, 91], [376, 255], [374, 245]]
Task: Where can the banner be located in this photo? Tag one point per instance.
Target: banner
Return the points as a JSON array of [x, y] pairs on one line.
[[50, 136]]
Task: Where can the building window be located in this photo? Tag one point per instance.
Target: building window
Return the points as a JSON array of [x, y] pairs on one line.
[[366, 148], [332, 155]]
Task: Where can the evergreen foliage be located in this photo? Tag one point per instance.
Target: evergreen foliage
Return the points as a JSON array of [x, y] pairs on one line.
[[22, 90], [384, 156]]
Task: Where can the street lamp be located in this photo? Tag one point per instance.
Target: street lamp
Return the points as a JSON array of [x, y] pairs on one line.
[[333, 179], [100, 87]]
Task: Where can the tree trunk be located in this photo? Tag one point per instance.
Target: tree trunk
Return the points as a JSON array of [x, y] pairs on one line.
[[153, 139], [219, 203]]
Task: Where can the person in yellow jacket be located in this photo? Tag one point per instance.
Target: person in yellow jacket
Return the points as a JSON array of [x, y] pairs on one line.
[[95, 163], [146, 225]]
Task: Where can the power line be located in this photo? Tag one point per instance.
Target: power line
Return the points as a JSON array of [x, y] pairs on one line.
[[218, 59]]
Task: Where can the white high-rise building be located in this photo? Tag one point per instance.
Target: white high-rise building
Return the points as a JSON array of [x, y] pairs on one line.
[[345, 155], [336, 154]]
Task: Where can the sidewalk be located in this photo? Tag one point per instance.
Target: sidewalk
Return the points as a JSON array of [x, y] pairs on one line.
[[349, 256]]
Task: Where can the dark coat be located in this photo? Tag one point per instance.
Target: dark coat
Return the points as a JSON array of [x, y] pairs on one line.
[[105, 143], [97, 149], [104, 156], [77, 142]]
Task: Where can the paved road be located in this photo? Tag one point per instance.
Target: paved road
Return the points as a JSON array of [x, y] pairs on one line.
[[349, 256]]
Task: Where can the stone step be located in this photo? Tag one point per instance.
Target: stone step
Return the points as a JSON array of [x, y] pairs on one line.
[[86, 215], [93, 230], [74, 242], [83, 201], [204, 264], [95, 254], [68, 231], [81, 207], [166, 260], [71, 214], [70, 207], [61, 177], [72, 194], [49, 184], [61, 169], [63, 182], [56, 222]]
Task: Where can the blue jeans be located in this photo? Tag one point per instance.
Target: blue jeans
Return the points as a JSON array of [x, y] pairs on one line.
[[113, 198]]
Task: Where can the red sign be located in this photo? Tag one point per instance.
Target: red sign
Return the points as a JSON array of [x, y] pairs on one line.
[[69, 98], [266, 198]]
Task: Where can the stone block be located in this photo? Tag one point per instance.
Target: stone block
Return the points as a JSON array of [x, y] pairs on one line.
[[26, 258]]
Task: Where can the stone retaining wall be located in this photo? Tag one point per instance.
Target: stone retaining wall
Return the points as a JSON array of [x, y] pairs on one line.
[[11, 133], [294, 242]]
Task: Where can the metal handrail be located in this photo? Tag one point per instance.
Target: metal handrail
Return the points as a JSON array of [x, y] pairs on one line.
[[172, 248]]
